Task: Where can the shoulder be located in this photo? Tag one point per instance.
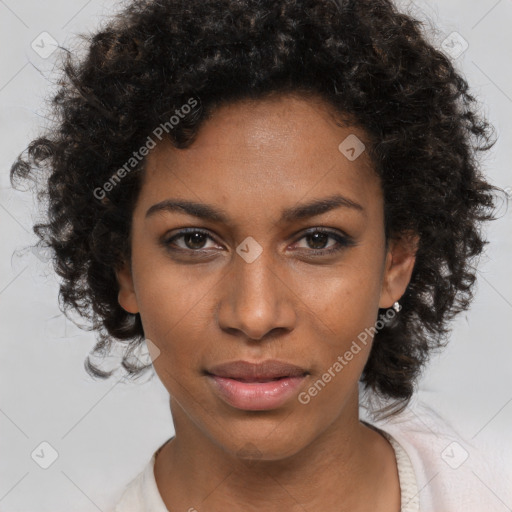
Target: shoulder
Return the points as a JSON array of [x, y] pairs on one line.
[[452, 473], [141, 493], [132, 496]]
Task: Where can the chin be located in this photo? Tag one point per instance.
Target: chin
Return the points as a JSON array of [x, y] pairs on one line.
[[270, 441]]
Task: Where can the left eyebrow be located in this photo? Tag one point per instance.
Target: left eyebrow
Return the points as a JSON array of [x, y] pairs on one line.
[[318, 207], [209, 212]]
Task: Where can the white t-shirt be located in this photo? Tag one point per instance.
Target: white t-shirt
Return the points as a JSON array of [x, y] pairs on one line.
[[438, 471]]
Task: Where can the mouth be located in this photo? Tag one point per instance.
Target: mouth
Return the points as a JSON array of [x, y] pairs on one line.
[[257, 380], [270, 369], [256, 387]]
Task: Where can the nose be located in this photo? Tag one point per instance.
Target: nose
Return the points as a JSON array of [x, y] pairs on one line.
[[256, 302]]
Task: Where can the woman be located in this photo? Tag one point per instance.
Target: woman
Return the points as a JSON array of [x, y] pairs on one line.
[[282, 201]]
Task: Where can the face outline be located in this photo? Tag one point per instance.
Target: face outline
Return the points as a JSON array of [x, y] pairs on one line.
[[288, 304]]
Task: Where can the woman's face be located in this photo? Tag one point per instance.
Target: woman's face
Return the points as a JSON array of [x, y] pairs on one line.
[[265, 278]]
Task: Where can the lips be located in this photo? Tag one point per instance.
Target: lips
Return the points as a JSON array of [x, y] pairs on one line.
[[257, 372], [256, 387]]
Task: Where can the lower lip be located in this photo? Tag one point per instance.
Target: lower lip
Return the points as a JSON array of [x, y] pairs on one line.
[[256, 396]]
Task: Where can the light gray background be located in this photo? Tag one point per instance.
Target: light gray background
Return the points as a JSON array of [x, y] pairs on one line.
[[104, 432]]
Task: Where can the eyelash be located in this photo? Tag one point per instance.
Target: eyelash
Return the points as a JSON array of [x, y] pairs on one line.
[[342, 240]]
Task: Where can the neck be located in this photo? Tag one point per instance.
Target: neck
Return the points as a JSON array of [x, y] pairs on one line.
[[347, 467]]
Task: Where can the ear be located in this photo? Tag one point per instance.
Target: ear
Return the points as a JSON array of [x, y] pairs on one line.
[[400, 260], [126, 297]]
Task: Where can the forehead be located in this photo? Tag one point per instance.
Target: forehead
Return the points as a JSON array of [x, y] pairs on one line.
[[278, 151]]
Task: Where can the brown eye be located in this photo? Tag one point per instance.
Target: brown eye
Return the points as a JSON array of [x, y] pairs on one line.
[[317, 239], [192, 240]]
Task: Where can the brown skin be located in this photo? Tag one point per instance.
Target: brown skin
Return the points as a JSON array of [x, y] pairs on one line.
[[254, 159]]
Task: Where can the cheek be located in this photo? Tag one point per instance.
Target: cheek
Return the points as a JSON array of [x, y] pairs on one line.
[[172, 307], [345, 307], [346, 297], [167, 293], [342, 325]]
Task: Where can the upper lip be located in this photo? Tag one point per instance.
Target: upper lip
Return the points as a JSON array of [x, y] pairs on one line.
[[269, 369]]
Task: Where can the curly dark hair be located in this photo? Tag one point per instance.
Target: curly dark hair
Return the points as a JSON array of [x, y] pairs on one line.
[[369, 62]]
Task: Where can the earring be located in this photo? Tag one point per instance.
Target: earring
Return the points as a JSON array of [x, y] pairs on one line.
[[397, 306]]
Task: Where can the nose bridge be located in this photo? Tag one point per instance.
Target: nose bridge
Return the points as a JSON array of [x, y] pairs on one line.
[[256, 279], [255, 300]]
